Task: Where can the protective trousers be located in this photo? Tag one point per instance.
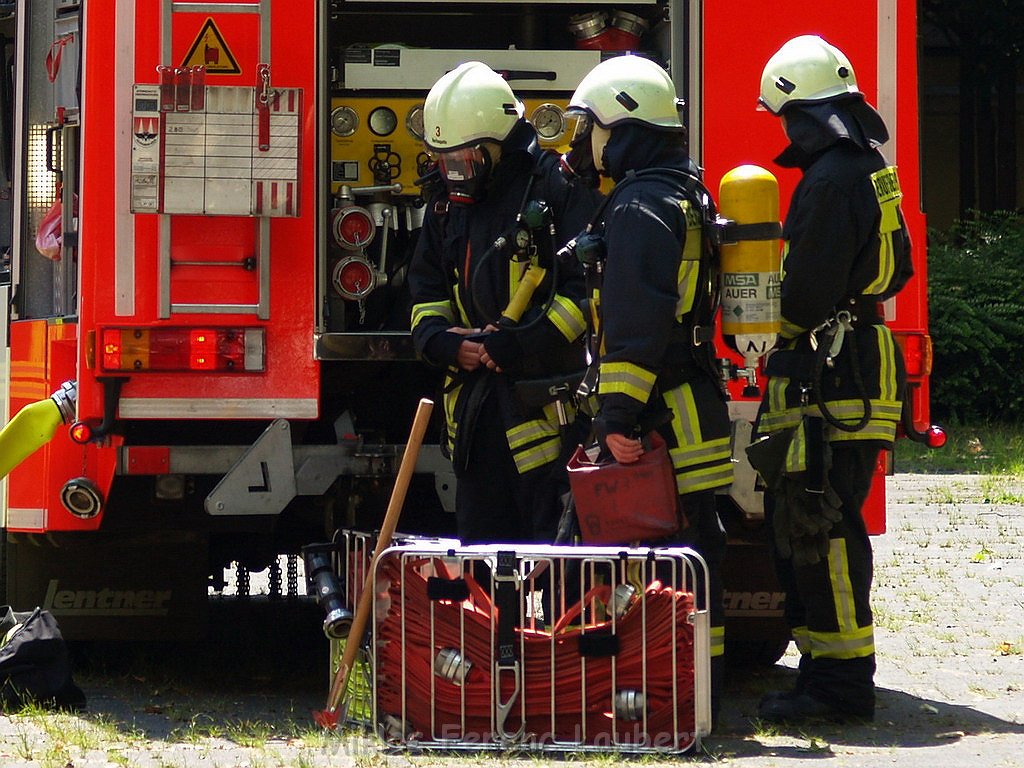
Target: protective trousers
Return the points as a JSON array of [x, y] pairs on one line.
[[828, 603]]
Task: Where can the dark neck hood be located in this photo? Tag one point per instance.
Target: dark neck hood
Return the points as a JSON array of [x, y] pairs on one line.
[[814, 127], [633, 147]]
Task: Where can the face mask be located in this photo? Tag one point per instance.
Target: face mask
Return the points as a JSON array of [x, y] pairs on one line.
[[465, 172], [578, 162]]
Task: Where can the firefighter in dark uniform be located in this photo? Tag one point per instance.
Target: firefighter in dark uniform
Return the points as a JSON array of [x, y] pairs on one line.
[[506, 206], [656, 300], [836, 381]]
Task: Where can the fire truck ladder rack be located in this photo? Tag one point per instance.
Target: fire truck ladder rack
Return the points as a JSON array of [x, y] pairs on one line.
[[538, 648], [262, 262]]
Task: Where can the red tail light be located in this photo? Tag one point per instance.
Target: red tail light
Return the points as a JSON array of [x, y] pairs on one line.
[[353, 227], [80, 432], [917, 352], [935, 436], [223, 350]]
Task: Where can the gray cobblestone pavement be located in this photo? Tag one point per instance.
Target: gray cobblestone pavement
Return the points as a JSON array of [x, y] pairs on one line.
[[949, 609]]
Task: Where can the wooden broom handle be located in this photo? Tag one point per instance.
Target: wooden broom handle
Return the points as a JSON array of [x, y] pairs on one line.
[[387, 530]]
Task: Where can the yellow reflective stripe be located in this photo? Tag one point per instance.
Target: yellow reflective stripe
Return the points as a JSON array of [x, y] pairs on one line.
[[842, 588], [882, 430], [776, 394], [888, 193], [537, 455], [686, 284], [887, 356], [567, 318], [448, 400], [626, 379], [774, 421], [717, 641], [714, 476], [802, 638], [843, 645], [463, 317], [686, 423], [702, 453], [528, 431], [432, 309], [796, 453]]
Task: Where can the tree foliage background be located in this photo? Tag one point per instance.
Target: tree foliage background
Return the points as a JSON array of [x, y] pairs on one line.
[[976, 307], [988, 39]]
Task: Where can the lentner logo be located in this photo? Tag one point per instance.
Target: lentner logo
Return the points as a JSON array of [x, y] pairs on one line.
[[105, 602]]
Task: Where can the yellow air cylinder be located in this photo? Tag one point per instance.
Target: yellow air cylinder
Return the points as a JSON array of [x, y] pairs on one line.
[[34, 425], [752, 265]]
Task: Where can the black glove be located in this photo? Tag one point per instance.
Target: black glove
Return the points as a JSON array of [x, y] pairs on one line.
[[504, 349], [802, 520]]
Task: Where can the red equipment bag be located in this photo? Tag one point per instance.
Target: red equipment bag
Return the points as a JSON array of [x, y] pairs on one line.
[[619, 503], [48, 235]]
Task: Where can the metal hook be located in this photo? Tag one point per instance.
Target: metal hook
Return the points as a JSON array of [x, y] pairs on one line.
[[504, 707]]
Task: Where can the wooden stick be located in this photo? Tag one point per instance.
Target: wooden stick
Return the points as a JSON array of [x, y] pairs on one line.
[[329, 716]]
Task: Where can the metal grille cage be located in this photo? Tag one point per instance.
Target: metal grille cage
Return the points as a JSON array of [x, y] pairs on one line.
[[543, 648]]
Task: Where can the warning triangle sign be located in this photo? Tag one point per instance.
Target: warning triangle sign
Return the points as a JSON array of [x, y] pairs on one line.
[[210, 51]]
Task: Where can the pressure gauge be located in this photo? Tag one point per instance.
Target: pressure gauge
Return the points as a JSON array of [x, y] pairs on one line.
[[383, 121], [549, 120], [414, 122], [344, 121]]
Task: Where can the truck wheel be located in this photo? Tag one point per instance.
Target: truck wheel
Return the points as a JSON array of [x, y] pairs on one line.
[[755, 653]]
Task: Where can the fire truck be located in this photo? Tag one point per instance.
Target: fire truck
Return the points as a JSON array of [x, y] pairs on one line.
[[206, 221]]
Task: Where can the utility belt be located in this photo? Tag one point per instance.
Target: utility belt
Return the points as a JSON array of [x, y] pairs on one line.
[[827, 341]]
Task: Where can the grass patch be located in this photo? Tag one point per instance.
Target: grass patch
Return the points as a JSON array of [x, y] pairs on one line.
[[986, 449]]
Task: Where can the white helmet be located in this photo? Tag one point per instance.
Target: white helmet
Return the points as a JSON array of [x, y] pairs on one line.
[[629, 89], [471, 103], [805, 69]]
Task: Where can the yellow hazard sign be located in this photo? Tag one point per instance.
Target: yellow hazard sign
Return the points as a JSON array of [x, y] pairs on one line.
[[210, 51]]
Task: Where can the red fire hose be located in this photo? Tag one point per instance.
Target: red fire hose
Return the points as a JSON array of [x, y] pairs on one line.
[[566, 694]]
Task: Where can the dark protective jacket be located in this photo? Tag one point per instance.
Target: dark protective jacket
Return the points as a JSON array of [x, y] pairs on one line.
[[846, 248], [656, 298], [458, 279]]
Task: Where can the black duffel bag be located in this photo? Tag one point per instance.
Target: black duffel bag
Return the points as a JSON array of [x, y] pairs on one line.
[[35, 665]]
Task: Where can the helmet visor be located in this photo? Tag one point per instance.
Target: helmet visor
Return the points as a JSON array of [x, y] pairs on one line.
[[579, 126], [461, 165]]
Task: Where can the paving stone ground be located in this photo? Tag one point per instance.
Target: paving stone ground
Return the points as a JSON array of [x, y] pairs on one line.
[[949, 611]]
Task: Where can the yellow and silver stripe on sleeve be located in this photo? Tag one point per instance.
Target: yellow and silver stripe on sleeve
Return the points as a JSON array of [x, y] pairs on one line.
[[432, 309], [567, 317], [626, 379]]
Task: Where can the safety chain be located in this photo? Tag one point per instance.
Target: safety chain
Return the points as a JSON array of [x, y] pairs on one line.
[[242, 580], [293, 577], [274, 573]]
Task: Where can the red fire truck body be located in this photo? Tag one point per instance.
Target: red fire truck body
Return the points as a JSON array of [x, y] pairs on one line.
[[239, 206]]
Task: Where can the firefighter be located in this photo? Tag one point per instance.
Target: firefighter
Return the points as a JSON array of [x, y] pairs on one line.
[[656, 298], [835, 389], [505, 205]]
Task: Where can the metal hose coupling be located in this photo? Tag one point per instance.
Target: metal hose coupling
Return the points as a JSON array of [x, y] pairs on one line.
[[66, 399], [450, 665]]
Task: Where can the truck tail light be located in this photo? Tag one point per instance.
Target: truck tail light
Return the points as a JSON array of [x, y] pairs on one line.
[[222, 350], [353, 227], [917, 352]]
